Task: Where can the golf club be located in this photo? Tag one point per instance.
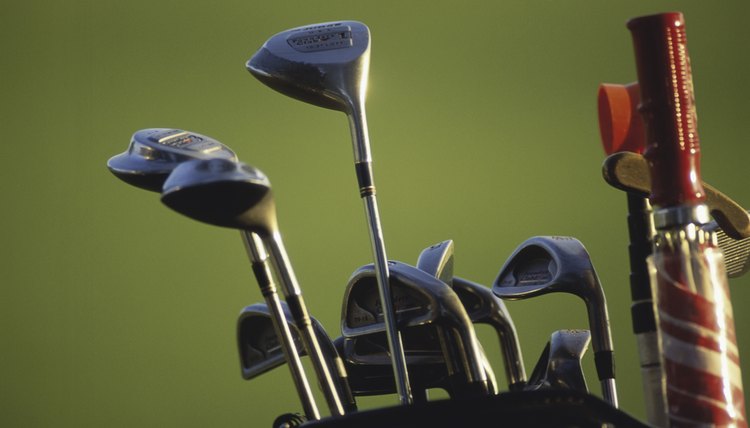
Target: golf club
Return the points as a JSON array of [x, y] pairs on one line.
[[328, 65], [437, 260], [481, 305], [559, 366], [154, 152], [260, 350], [420, 299], [548, 264], [151, 156], [235, 195]]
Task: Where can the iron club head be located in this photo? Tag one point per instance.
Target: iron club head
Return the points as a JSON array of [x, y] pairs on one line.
[[559, 366], [437, 260], [481, 305], [260, 349], [420, 300], [548, 264]]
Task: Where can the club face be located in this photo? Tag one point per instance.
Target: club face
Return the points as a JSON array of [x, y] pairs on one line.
[[223, 193], [437, 260], [545, 264], [370, 349], [259, 346], [324, 64], [417, 298], [257, 342], [153, 154], [420, 300]]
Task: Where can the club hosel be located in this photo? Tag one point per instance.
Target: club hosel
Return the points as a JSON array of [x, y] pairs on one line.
[[254, 247], [360, 134], [601, 340], [258, 259]]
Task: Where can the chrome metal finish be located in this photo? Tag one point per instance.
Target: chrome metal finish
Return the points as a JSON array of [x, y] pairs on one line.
[[283, 267], [666, 218], [257, 254], [395, 345], [327, 65]]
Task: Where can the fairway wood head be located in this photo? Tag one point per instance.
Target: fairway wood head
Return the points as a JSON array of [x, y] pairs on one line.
[[153, 154], [437, 260], [324, 64], [560, 366], [223, 193]]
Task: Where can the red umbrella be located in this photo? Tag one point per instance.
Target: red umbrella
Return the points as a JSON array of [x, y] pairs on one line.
[[696, 326]]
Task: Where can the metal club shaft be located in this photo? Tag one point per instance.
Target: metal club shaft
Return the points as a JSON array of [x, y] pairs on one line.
[[259, 259], [363, 166], [301, 317]]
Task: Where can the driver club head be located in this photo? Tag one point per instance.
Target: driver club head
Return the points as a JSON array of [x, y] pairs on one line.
[[153, 153], [549, 264], [224, 193], [235, 195], [328, 65], [324, 64]]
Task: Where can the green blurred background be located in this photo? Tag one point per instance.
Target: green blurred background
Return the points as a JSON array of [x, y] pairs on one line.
[[115, 311]]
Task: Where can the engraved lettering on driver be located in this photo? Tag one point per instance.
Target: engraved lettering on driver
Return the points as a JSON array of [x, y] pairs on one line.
[[184, 140], [318, 27], [321, 40]]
